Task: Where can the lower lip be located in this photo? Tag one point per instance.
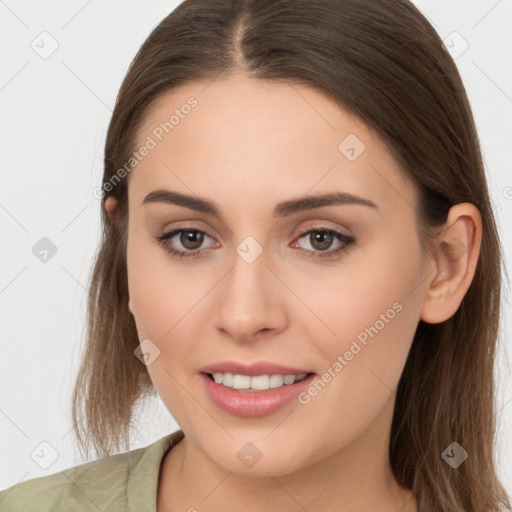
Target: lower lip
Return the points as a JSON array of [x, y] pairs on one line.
[[252, 404]]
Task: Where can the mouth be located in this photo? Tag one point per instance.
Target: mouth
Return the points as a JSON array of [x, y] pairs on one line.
[[256, 383], [254, 395]]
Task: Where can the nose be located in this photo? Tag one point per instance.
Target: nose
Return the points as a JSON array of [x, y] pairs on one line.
[[250, 302]]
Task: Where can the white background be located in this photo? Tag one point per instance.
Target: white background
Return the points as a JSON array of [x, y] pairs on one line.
[[54, 117]]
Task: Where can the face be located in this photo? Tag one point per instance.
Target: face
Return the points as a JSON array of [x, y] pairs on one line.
[[332, 290]]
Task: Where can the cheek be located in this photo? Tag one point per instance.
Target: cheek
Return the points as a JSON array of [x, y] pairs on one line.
[[166, 305], [373, 287], [383, 309], [374, 312], [156, 297], [160, 301], [157, 291]]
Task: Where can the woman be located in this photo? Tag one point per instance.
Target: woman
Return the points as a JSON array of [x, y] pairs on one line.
[[300, 258]]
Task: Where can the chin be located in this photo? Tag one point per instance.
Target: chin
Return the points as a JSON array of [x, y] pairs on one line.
[[267, 466], [259, 458]]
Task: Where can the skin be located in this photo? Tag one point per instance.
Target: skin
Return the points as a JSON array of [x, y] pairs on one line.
[[247, 146]]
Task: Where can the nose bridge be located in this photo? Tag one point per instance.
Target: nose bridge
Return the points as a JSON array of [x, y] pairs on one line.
[[247, 281], [249, 298]]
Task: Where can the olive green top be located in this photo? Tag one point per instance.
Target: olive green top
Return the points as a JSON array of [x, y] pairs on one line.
[[125, 482]]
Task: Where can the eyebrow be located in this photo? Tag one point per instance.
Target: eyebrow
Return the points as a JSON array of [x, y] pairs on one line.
[[282, 209]]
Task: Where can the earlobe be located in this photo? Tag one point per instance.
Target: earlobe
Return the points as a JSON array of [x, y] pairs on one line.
[[456, 256], [111, 208]]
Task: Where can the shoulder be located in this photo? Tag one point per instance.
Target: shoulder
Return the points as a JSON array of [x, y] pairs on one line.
[[101, 484]]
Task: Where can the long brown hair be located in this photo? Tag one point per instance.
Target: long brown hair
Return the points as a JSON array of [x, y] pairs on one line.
[[382, 62]]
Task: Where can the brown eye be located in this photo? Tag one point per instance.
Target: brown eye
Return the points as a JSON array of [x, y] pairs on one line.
[[183, 243], [321, 240], [187, 243], [191, 239]]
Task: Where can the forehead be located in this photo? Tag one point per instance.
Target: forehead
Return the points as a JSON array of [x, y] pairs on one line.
[[246, 139]]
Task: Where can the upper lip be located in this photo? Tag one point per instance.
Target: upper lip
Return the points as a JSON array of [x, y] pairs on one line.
[[257, 368]]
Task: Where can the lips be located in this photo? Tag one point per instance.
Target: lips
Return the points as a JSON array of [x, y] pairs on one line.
[[245, 403], [253, 369], [256, 404]]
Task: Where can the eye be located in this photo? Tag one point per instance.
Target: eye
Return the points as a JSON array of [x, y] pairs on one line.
[[191, 239], [321, 239]]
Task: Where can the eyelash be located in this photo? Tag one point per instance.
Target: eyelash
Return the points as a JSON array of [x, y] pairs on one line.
[[348, 242]]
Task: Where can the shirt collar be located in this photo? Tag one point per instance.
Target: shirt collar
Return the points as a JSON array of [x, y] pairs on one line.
[[142, 484]]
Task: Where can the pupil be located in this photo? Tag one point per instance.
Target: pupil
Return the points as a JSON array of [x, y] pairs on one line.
[[193, 237], [324, 238]]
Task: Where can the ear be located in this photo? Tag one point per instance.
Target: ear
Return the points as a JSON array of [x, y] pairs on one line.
[[111, 208], [455, 253]]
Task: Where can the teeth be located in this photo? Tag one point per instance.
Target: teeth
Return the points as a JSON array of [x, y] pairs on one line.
[[257, 382], [241, 382]]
